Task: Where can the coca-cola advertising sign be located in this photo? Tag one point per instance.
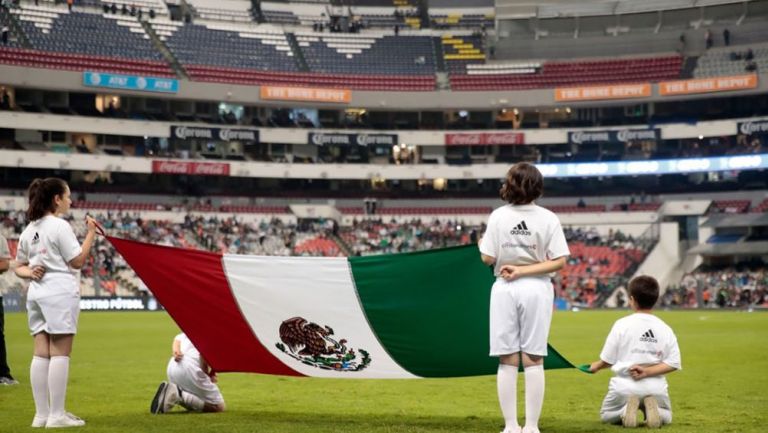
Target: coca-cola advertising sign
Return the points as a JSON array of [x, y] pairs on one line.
[[485, 139], [194, 168]]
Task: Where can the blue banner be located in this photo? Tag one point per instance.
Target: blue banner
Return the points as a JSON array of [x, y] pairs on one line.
[[658, 166], [130, 82]]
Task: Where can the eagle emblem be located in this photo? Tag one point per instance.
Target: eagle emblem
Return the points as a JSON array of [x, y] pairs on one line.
[[315, 345]]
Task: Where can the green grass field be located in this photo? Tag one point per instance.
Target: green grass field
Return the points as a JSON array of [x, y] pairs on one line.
[[119, 358]]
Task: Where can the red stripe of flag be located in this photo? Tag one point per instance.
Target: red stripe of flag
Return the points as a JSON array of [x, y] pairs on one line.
[[193, 288]]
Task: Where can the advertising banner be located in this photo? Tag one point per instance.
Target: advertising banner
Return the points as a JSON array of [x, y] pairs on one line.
[[485, 139], [325, 138], [707, 85], [218, 134], [755, 127], [614, 136], [130, 82], [309, 94], [193, 168], [597, 93]]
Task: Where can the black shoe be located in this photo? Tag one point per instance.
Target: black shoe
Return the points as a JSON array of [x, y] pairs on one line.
[[157, 402]]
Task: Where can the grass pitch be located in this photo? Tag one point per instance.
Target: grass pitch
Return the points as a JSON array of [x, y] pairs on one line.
[[119, 358]]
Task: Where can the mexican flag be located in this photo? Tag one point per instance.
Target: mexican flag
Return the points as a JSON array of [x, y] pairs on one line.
[[422, 314]]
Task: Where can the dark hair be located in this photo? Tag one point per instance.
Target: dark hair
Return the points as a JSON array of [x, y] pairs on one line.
[[41, 194], [523, 185], [645, 290]]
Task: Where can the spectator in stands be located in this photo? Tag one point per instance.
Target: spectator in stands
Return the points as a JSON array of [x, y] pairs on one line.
[[133, 10], [749, 55], [113, 9], [5, 99], [726, 37], [708, 42], [581, 203], [681, 44], [5, 264], [750, 66], [4, 34], [70, 3], [124, 9], [397, 29]]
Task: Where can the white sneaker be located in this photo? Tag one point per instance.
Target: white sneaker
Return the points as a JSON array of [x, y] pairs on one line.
[[66, 420], [517, 429], [171, 398], [629, 419], [7, 380], [39, 421], [530, 429]]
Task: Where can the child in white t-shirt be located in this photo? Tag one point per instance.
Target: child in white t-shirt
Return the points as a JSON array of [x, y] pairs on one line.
[[640, 350], [191, 382], [526, 245]]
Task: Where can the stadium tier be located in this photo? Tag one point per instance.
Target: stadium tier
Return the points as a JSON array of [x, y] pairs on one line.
[[555, 74], [234, 49]]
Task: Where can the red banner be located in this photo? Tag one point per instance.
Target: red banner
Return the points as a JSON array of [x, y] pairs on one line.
[[194, 168], [485, 139]]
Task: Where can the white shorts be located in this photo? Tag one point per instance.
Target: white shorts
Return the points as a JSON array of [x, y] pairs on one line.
[[619, 391], [521, 313], [192, 379], [55, 314]]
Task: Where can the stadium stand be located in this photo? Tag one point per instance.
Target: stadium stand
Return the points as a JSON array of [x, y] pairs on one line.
[[222, 10], [368, 54], [730, 206], [75, 40], [104, 35], [745, 285], [204, 47], [553, 74], [733, 61]]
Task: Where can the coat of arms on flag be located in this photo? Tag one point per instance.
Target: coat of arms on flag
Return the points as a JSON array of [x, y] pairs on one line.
[[314, 345]]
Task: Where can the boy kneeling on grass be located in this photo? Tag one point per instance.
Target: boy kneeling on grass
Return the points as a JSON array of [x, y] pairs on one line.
[[640, 350], [191, 382]]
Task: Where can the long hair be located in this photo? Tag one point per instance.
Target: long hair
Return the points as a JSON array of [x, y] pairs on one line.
[[524, 184], [41, 196]]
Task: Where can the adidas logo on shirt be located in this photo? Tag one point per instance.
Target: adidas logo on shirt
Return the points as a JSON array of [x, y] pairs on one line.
[[648, 337], [520, 229], [36, 238]]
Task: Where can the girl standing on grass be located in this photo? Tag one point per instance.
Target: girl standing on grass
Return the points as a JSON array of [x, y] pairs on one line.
[[49, 255]]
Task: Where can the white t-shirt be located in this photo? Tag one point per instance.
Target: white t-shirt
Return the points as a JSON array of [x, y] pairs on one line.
[[523, 235], [191, 355], [50, 242], [640, 339]]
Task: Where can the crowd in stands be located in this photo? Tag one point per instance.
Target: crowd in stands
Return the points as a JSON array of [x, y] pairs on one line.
[[586, 280], [375, 236], [720, 287], [598, 264]]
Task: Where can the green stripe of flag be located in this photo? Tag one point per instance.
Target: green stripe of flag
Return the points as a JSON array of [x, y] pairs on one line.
[[430, 310]]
